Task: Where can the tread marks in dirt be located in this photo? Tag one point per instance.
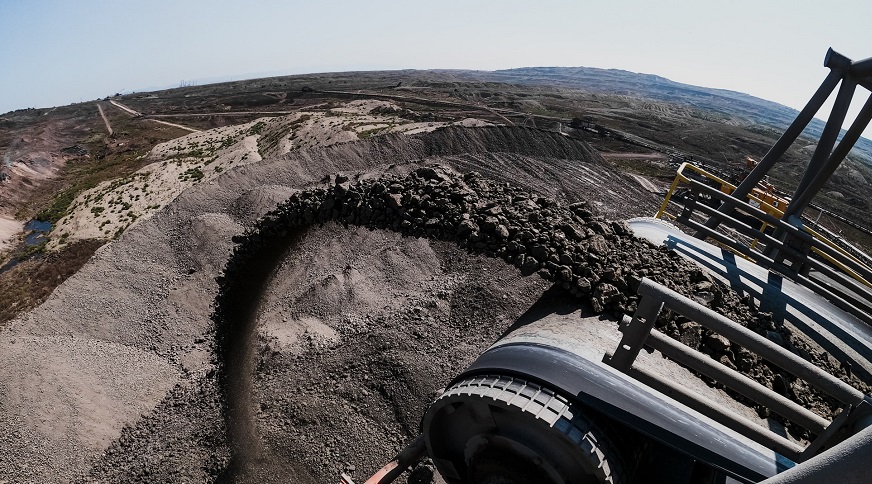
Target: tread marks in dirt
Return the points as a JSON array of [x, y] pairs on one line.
[[594, 259]]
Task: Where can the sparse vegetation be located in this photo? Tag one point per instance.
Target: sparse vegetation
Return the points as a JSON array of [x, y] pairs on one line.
[[196, 153], [256, 129], [227, 142], [33, 250], [194, 174], [59, 206]]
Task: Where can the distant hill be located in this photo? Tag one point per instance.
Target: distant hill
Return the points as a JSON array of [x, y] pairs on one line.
[[742, 107]]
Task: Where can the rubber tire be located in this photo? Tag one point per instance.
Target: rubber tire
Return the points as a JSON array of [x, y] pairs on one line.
[[512, 413]]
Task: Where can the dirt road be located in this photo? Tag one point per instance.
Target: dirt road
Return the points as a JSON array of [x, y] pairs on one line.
[[137, 113], [105, 120], [225, 113], [125, 108], [175, 125]]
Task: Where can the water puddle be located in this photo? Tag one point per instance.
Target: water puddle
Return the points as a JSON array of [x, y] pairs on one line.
[[36, 234], [9, 265]]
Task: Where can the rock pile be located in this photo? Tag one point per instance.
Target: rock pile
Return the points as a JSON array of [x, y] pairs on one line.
[[595, 259]]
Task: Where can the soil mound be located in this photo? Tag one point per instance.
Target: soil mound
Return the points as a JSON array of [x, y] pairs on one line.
[[340, 335]]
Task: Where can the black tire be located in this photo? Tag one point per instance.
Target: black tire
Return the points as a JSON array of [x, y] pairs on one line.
[[497, 429]]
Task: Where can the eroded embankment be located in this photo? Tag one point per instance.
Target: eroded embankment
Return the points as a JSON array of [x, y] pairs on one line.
[[596, 260], [454, 140]]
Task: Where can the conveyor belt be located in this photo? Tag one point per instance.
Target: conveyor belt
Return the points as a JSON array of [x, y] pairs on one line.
[[841, 334]]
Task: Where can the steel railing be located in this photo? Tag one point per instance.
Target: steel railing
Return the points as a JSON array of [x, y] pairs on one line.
[[639, 332], [790, 255]]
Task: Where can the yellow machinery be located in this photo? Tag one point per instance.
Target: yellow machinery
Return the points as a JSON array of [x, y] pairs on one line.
[[763, 198]]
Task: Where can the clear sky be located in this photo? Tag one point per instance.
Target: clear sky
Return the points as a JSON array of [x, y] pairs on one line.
[[60, 52]]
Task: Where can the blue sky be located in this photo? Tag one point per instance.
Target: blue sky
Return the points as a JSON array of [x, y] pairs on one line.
[[60, 52]]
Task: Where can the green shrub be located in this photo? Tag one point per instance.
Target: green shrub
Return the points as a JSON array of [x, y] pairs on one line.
[[192, 174]]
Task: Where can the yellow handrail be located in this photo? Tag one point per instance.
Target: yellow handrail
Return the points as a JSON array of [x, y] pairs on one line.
[[776, 212]]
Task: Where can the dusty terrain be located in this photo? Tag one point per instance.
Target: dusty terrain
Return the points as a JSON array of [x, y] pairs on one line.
[[145, 365], [8, 229], [113, 206], [53, 155], [146, 300]]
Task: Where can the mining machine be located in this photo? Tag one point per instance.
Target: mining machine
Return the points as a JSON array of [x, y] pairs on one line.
[[560, 400]]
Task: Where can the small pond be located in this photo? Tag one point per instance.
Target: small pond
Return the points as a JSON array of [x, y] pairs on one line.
[[36, 233]]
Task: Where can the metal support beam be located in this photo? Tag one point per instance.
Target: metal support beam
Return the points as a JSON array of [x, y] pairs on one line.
[[834, 60], [780, 147], [857, 307], [818, 161], [736, 381], [742, 336], [856, 413], [840, 67], [825, 144], [718, 413], [635, 334], [851, 136], [856, 300], [862, 68], [790, 135]]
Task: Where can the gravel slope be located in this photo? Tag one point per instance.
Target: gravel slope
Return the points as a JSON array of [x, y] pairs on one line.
[[144, 302], [118, 377]]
